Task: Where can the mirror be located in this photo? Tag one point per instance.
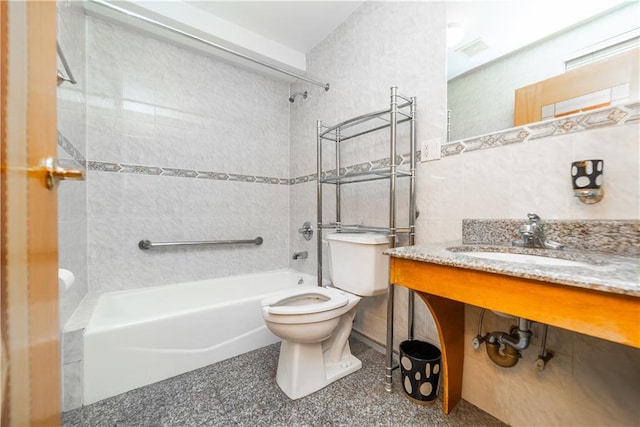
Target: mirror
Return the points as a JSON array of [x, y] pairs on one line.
[[509, 45]]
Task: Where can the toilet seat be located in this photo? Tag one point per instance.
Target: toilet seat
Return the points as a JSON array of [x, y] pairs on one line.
[[288, 302]]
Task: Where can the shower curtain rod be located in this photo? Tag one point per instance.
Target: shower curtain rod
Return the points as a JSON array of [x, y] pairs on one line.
[[209, 43]]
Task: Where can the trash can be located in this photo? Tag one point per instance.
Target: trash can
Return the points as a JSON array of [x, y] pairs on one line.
[[420, 365]]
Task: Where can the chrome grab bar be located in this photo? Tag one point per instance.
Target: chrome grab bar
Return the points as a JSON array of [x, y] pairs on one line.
[[146, 244]]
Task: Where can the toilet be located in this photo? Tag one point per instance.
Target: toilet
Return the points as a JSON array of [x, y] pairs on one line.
[[315, 322]]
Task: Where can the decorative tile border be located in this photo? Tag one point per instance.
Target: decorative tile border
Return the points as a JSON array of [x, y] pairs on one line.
[[71, 150], [604, 117], [223, 176], [181, 173]]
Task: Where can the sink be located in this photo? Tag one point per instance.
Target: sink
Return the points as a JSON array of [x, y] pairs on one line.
[[533, 256], [527, 259]]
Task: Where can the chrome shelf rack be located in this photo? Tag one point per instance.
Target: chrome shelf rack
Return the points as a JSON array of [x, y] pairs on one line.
[[401, 110]]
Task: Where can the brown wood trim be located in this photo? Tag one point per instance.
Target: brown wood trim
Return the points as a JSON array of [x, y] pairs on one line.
[[617, 70], [606, 315], [15, 279], [43, 220], [449, 319], [446, 289], [4, 356], [589, 108]]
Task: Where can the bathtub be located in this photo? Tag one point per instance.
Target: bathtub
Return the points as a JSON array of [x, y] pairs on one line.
[[141, 336]]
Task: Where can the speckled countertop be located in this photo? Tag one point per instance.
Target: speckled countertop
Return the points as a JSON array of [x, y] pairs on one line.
[[603, 272], [607, 251]]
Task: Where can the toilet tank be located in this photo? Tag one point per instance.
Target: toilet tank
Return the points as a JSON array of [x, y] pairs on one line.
[[356, 262]]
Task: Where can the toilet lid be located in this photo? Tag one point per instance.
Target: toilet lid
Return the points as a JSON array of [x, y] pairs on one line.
[[305, 300]]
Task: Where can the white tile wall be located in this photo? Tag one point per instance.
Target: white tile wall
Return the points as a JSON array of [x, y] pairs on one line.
[[155, 104], [506, 182], [509, 182], [159, 105], [382, 44], [72, 195]]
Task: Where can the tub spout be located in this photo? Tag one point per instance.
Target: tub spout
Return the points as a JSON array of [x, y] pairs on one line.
[[300, 255]]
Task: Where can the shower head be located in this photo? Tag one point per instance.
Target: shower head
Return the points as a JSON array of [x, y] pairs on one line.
[[293, 96]]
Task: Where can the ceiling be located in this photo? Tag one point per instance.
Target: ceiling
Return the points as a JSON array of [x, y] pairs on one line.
[[506, 26], [300, 25], [283, 32]]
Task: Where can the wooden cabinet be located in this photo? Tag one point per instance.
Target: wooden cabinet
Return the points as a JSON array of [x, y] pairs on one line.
[[608, 73]]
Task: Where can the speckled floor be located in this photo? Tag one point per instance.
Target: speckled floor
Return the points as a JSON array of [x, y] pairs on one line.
[[242, 392]]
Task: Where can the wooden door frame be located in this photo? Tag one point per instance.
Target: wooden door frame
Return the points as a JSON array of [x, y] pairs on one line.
[[29, 295]]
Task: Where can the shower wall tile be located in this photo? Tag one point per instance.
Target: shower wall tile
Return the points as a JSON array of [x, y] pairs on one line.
[[181, 147], [72, 195], [72, 149], [71, 386]]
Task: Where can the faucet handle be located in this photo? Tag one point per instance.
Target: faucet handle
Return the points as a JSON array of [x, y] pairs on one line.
[[533, 216], [527, 229]]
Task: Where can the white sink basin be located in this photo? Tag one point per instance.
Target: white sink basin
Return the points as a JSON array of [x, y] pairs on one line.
[[526, 259]]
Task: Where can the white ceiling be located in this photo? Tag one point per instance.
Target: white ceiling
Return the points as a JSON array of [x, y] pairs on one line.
[[506, 26], [283, 32], [300, 25]]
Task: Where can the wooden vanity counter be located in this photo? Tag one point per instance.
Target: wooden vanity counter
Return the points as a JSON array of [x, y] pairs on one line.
[[603, 302]]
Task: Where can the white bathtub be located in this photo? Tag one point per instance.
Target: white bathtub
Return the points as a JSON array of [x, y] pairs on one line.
[[141, 336]]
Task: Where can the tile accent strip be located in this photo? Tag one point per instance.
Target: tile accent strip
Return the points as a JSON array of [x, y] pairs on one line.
[[181, 173], [71, 150], [604, 117], [223, 176], [627, 113]]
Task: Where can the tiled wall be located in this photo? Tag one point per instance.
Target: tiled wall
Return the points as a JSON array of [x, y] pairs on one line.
[[589, 381], [382, 44], [491, 88], [504, 177], [72, 195], [184, 147], [181, 147]]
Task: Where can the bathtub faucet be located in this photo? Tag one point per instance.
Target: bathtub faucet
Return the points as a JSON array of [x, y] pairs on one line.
[[300, 255]]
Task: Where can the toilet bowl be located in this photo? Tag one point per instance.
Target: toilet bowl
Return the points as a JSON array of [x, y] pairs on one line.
[[314, 322]]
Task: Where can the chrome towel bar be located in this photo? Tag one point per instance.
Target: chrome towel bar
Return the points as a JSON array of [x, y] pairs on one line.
[[146, 244]]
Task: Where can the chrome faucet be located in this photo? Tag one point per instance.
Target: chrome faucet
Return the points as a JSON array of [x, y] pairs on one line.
[[533, 235], [300, 255]]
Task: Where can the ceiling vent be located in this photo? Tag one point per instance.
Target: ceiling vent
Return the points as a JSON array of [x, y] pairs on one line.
[[473, 48]]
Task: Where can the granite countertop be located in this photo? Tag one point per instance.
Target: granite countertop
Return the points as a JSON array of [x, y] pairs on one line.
[[602, 271]]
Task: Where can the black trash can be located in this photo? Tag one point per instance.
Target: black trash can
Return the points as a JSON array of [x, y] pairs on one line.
[[420, 365]]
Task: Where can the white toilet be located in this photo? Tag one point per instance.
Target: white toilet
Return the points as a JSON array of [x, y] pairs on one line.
[[315, 322]]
